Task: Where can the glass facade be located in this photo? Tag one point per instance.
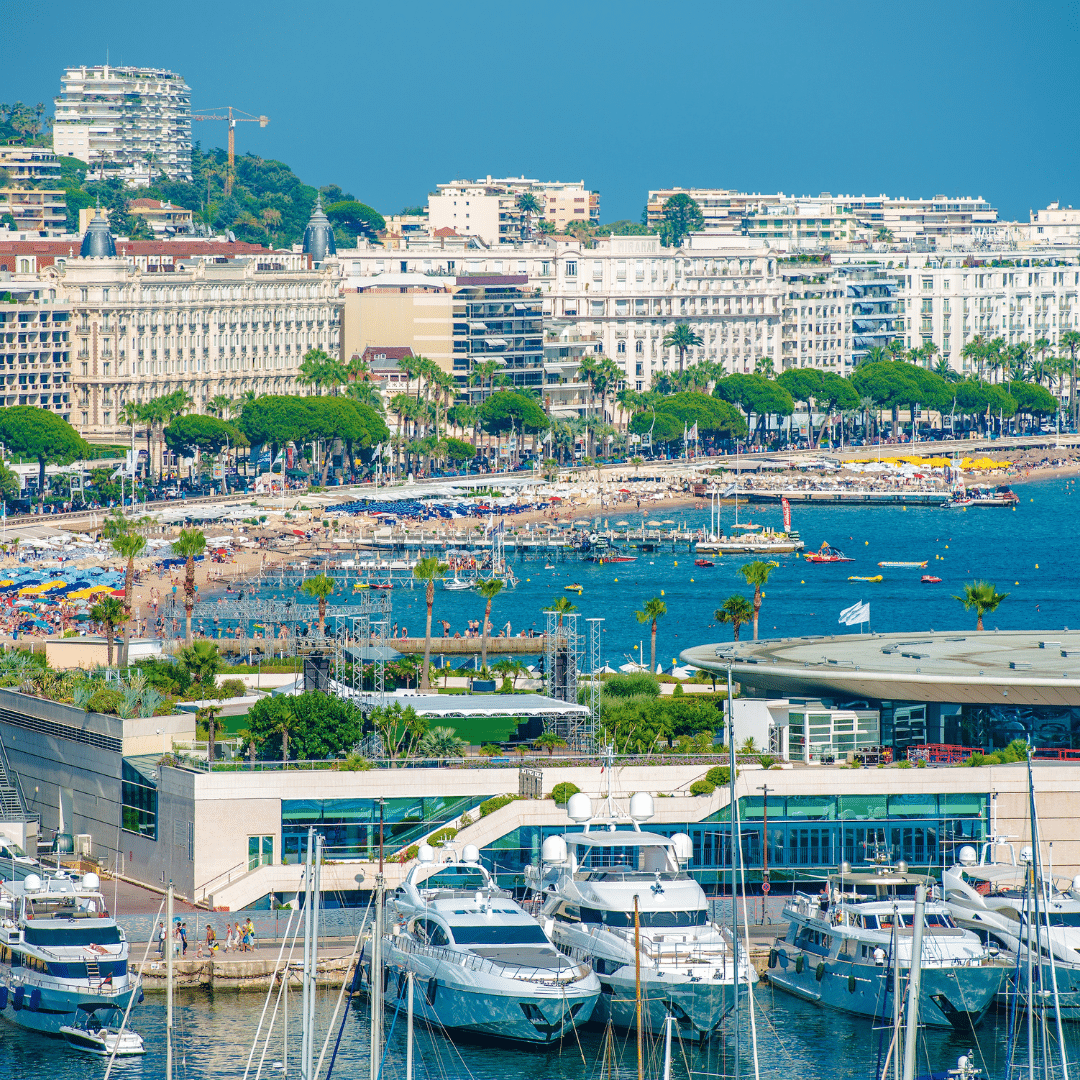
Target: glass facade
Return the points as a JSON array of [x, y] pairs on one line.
[[350, 827], [808, 835], [995, 726], [139, 798]]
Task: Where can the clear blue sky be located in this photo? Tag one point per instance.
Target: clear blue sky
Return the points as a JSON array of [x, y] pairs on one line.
[[389, 99]]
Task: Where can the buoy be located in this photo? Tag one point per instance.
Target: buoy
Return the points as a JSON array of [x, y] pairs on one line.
[[661, 592], [676, 562], [1036, 566], [802, 582], [691, 581], [1016, 582], [866, 542], [614, 579]]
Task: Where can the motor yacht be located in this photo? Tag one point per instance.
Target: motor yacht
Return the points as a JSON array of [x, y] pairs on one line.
[[63, 959], [587, 885], [481, 964], [992, 895], [841, 948]]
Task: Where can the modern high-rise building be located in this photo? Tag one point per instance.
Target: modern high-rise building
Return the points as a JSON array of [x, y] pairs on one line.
[[30, 190], [125, 121]]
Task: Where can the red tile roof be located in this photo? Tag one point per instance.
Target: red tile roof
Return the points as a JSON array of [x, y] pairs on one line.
[[446, 231]]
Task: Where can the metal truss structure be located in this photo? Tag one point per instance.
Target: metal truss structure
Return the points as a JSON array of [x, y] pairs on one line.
[[564, 661]]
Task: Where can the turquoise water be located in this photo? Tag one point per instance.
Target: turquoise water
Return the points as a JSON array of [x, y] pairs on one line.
[[214, 1036], [1027, 552]]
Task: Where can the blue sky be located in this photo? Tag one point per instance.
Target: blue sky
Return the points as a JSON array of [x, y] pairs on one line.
[[387, 100]]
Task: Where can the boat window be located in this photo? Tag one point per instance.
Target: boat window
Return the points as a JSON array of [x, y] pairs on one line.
[[429, 932], [699, 917], [938, 919], [91, 934], [456, 877], [1064, 918], [525, 934], [870, 922]]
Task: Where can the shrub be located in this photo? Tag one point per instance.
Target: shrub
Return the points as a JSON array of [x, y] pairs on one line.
[[489, 750], [104, 700], [561, 792], [464, 821], [412, 851], [720, 775], [489, 806], [628, 685], [702, 787], [233, 688], [920, 764], [766, 761], [904, 764], [442, 836], [355, 762], [678, 691]]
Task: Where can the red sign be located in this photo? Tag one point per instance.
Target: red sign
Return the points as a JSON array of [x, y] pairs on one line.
[[787, 514], [765, 887]]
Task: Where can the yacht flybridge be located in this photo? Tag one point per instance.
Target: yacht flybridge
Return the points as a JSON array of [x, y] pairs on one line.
[[620, 899], [850, 948], [480, 962], [993, 895]]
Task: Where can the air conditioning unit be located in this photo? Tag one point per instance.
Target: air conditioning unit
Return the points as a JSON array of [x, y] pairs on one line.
[[84, 844]]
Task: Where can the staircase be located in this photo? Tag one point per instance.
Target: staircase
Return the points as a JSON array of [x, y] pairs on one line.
[[11, 804], [93, 972]]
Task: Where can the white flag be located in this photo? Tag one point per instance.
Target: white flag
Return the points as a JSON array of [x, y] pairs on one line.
[[693, 432], [856, 614]]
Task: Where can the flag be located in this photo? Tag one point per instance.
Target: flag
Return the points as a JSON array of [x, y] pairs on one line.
[[693, 432], [856, 614], [787, 513]]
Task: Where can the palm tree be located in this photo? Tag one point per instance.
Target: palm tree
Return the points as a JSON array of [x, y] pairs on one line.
[[1071, 340], [428, 570], [682, 338], [220, 406], [320, 587], [561, 606], [187, 545], [270, 216], [441, 742], [109, 613], [983, 597], [736, 610], [201, 660], [488, 590], [285, 723], [527, 204], [654, 609], [131, 414], [209, 716], [757, 573], [128, 545]]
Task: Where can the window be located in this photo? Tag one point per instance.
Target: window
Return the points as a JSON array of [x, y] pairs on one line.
[[528, 934], [571, 268], [928, 284], [260, 851], [138, 791]]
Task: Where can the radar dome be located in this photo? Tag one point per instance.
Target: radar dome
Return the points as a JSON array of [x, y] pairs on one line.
[[31, 883], [579, 807], [553, 850], [845, 867], [968, 856], [91, 881], [470, 853], [425, 853], [901, 867], [1025, 854], [641, 806], [1075, 889], [684, 847]]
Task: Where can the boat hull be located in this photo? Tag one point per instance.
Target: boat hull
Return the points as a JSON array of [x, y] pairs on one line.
[[949, 997], [461, 999], [58, 1008]]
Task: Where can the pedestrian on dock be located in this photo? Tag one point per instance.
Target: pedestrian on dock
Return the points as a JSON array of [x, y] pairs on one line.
[[161, 939], [183, 939], [230, 938], [250, 930]]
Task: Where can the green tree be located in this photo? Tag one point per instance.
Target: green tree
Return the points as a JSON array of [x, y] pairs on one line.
[[399, 729], [1070, 340], [757, 573], [187, 434], [441, 742], [561, 606], [320, 587], [202, 661], [428, 570], [110, 614], [190, 543], [736, 610], [983, 597], [654, 609], [488, 590], [549, 741], [355, 219], [682, 216], [527, 205], [27, 431], [314, 726], [682, 337], [128, 545]]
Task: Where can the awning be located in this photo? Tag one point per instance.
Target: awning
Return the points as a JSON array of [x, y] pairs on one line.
[[477, 325], [497, 341]]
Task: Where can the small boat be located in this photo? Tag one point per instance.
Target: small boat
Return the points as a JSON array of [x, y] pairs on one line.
[[704, 562], [600, 558], [827, 554], [910, 565], [455, 584], [87, 1033], [877, 577], [929, 579], [549, 567], [360, 585], [574, 588], [381, 585], [956, 504]]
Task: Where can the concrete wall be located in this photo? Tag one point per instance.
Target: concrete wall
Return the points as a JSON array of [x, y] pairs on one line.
[[423, 321]]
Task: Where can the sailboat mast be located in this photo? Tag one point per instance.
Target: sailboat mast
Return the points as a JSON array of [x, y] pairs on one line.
[[305, 983], [668, 1021], [409, 1032], [914, 978], [896, 994], [637, 987], [169, 982], [734, 855], [376, 981]]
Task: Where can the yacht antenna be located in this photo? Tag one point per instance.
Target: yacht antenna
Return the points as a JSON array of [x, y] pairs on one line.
[[637, 987]]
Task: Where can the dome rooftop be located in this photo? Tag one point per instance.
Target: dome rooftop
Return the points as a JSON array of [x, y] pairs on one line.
[[97, 241], [319, 235]]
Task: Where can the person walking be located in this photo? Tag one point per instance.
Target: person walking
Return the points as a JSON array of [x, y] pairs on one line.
[[230, 938], [183, 939], [161, 935], [251, 933]]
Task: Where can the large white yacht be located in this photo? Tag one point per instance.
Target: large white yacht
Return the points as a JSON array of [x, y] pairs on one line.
[[992, 895], [841, 949], [481, 964], [63, 959], [588, 883]]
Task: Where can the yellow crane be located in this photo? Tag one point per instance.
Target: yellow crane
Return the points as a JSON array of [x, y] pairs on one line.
[[225, 112]]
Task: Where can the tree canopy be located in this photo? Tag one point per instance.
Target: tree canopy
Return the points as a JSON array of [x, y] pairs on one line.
[[354, 219], [320, 726], [27, 431], [186, 434], [682, 216], [712, 415], [506, 409]]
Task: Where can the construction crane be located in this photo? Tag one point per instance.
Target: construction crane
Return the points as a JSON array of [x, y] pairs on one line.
[[245, 118]]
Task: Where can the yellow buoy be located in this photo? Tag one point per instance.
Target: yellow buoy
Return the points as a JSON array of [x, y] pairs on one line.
[[661, 592], [1036, 566], [676, 562], [866, 542], [1016, 582], [802, 582], [691, 581], [615, 579]]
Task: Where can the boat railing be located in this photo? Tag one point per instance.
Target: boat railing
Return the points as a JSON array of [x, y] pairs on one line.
[[669, 951], [526, 973]]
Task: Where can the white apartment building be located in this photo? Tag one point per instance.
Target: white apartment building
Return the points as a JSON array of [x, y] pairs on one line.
[[125, 121], [35, 347], [488, 208], [857, 217], [625, 294], [1056, 224], [30, 190]]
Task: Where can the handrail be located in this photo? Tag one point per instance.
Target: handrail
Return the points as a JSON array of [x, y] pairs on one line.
[[522, 972], [213, 879]]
